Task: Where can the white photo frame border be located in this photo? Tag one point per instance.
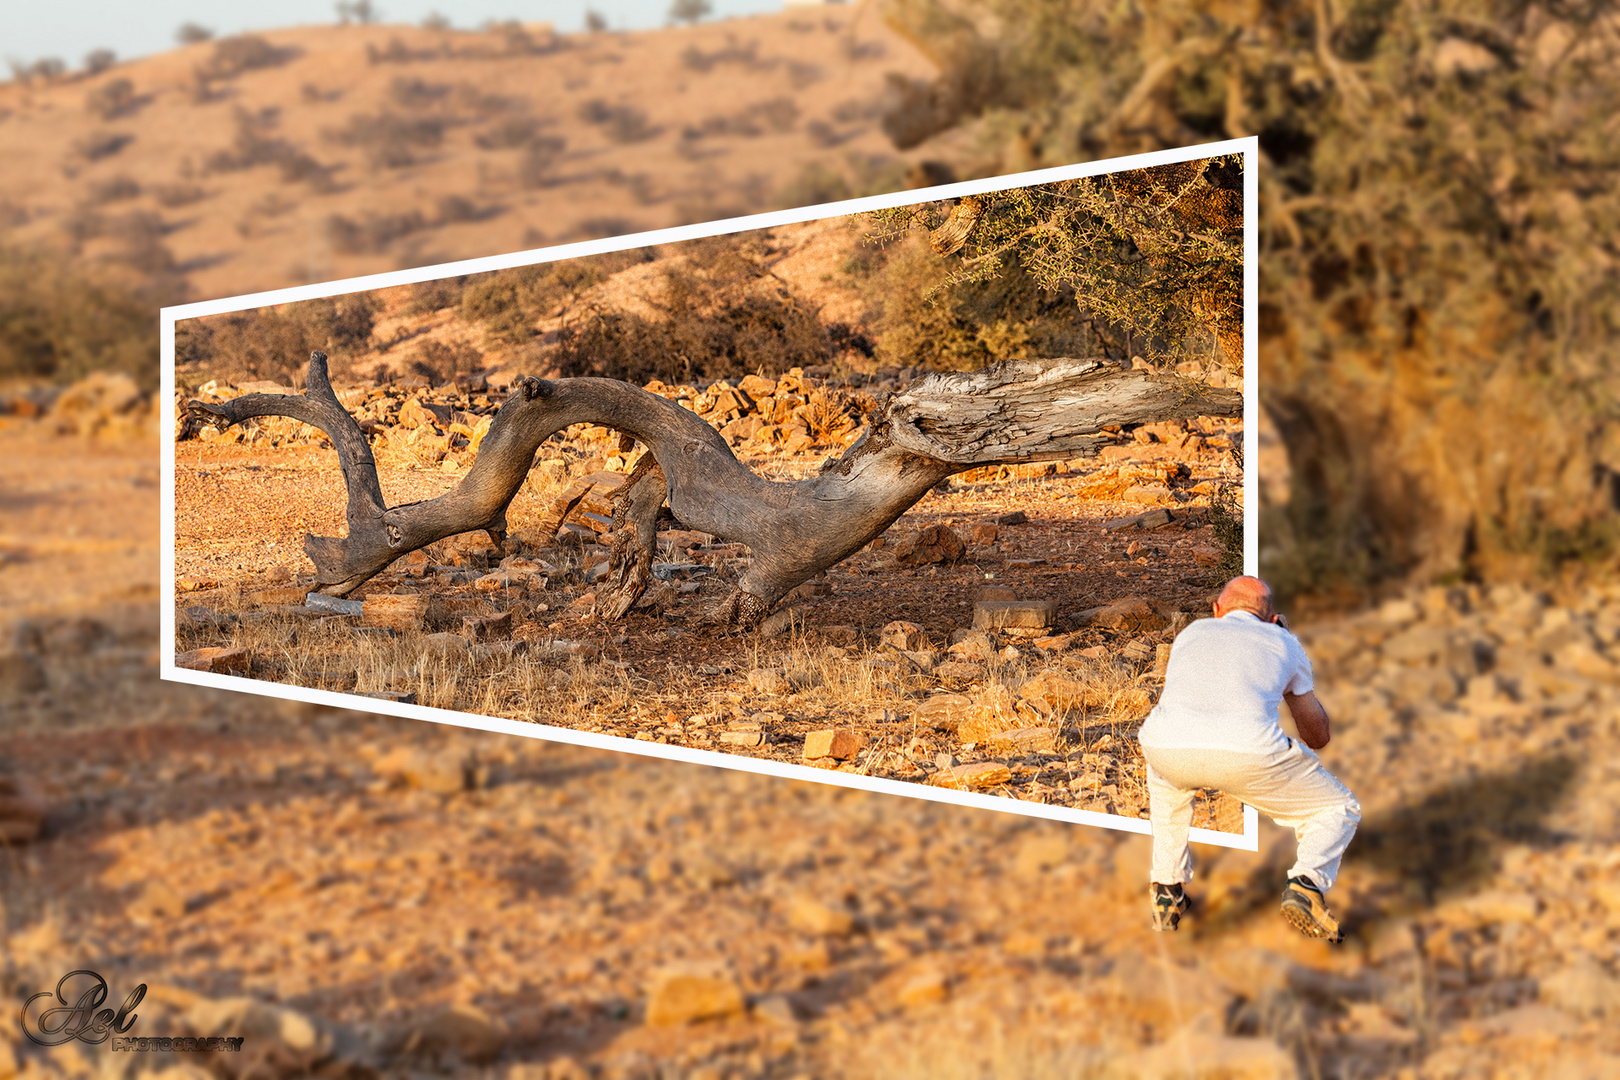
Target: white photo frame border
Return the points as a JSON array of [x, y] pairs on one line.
[[1247, 148]]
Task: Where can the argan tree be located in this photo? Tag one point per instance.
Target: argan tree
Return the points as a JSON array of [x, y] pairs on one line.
[[1439, 201], [1155, 253]]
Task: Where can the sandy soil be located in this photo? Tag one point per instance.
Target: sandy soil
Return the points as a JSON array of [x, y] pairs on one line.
[[216, 845]]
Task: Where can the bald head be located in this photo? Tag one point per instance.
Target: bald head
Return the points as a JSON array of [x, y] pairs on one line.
[[1246, 594]]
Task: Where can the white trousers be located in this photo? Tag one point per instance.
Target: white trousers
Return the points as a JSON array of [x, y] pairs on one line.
[[1291, 787]]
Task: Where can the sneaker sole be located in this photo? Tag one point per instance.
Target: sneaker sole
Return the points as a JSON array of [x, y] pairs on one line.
[[1305, 923]]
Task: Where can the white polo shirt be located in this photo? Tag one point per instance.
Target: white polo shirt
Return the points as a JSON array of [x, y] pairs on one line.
[[1224, 683]]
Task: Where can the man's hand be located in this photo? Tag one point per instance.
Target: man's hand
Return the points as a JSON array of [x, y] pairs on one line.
[[1281, 620], [1309, 718]]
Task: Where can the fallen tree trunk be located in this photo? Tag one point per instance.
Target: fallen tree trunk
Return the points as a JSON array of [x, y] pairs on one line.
[[1015, 411]]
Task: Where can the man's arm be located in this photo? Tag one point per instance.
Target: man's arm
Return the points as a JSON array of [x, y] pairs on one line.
[[1310, 718]]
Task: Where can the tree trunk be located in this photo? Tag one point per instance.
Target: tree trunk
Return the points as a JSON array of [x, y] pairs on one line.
[[1016, 411]]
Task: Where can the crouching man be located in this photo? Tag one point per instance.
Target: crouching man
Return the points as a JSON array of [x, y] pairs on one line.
[[1216, 726]]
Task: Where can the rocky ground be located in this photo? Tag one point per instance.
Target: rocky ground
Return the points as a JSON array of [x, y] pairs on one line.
[[365, 896], [973, 646]]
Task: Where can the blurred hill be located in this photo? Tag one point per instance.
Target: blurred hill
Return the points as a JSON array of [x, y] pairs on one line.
[[325, 152]]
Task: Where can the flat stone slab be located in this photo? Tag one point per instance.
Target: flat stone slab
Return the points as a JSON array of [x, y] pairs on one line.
[[1013, 614]]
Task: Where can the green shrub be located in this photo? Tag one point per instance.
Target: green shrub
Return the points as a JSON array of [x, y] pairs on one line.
[[925, 323]]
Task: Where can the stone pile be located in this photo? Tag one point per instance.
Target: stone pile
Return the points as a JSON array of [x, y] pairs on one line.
[[790, 414], [108, 404]]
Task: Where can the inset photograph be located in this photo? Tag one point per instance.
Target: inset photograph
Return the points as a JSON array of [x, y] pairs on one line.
[[911, 492]]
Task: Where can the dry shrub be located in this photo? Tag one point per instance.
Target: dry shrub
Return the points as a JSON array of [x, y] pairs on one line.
[[114, 189], [414, 93], [101, 144], [274, 343], [372, 234], [254, 146], [60, 324], [176, 195], [508, 303], [113, 99], [702, 336], [245, 52], [430, 296], [1432, 269], [534, 169], [621, 123], [390, 141], [442, 361], [966, 326], [509, 133]]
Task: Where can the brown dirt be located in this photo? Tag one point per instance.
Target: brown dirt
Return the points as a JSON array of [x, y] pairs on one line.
[[213, 844], [667, 679]]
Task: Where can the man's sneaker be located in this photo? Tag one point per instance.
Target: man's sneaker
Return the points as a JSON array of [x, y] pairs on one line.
[[1304, 907], [1170, 903]]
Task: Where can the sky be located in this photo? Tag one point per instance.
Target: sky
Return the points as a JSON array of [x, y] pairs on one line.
[[69, 29]]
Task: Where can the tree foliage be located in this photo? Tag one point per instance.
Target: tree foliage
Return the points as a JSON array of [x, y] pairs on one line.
[[1439, 273], [1154, 255]]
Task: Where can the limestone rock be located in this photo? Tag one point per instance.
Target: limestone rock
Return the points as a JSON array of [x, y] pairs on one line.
[[1030, 740], [444, 772], [1131, 615], [22, 810], [1060, 692], [811, 916], [922, 987], [1583, 988], [905, 636], [465, 1030], [1206, 1056], [776, 1009], [281, 1042], [840, 743], [943, 712], [979, 775], [232, 660], [487, 627], [958, 671], [972, 645], [935, 544], [402, 612], [1013, 615], [684, 995]]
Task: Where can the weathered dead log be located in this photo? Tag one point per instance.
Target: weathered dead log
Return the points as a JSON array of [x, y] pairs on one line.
[[1016, 411]]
